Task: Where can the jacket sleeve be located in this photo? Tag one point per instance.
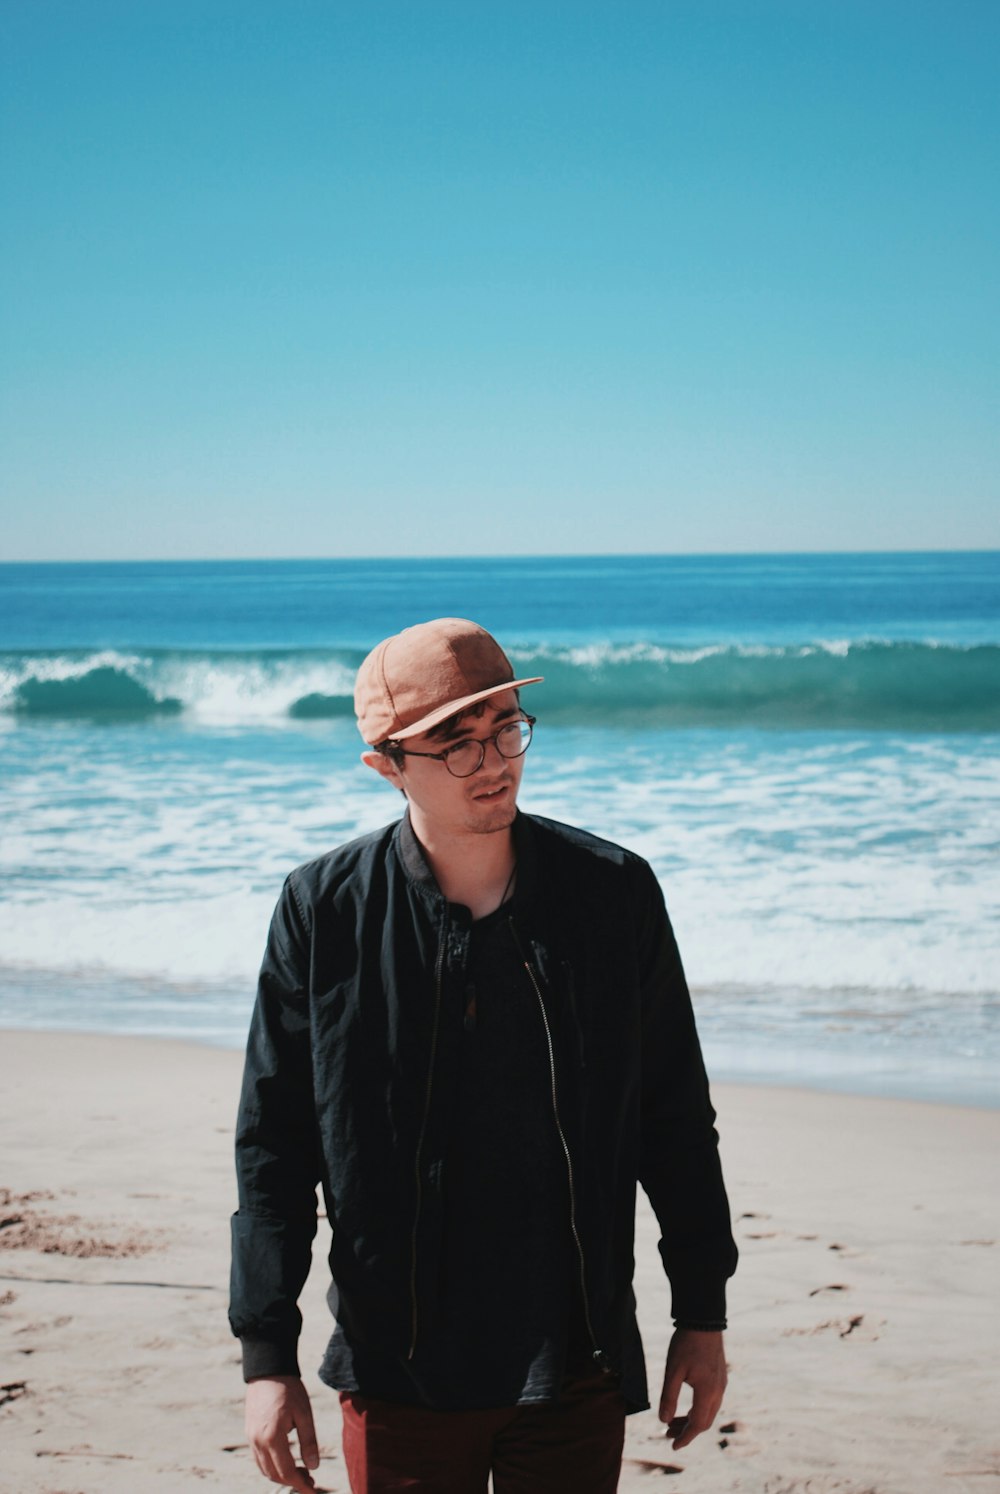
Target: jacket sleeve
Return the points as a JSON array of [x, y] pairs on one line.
[[680, 1168], [277, 1155]]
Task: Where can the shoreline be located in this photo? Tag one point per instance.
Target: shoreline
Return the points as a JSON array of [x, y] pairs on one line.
[[870, 1085], [863, 1317]]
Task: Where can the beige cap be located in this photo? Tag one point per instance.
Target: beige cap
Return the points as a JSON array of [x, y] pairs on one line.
[[421, 676]]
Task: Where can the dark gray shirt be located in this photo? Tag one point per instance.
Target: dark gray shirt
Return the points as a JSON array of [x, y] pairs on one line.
[[507, 1266]]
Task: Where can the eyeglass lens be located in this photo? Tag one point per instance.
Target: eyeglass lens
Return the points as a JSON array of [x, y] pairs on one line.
[[465, 758]]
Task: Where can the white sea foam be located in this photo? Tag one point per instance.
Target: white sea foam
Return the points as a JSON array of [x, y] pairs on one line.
[[15, 669], [605, 655], [220, 691], [837, 866], [835, 898]]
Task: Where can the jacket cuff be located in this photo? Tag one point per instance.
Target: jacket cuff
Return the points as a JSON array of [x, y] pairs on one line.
[[698, 1304], [717, 1327], [262, 1357]]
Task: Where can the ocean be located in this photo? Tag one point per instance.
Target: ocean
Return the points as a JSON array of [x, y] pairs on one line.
[[804, 747]]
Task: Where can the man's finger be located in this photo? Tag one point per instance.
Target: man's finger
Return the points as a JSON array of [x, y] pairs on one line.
[[704, 1409], [305, 1427], [285, 1471], [687, 1429], [263, 1461], [268, 1464], [299, 1479], [673, 1379]]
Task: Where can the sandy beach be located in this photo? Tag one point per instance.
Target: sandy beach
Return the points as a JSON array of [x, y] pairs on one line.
[[864, 1318]]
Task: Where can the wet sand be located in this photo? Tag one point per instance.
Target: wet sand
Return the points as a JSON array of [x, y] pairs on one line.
[[864, 1318]]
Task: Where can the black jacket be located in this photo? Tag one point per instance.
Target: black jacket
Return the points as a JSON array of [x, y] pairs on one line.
[[346, 1086]]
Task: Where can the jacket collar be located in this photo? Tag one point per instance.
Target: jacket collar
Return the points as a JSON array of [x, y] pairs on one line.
[[414, 862]]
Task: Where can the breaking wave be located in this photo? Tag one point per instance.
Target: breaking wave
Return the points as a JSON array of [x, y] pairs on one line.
[[868, 684]]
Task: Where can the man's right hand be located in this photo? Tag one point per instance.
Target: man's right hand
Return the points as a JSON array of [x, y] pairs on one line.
[[276, 1406]]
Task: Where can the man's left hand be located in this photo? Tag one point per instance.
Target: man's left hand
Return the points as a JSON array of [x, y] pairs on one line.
[[697, 1359]]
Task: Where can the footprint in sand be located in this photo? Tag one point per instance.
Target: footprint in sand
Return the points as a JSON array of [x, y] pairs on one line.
[[43, 1327], [758, 1234], [732, 1439], [834, 1286], [815, 1485], [843, 1327], [650, 1465]]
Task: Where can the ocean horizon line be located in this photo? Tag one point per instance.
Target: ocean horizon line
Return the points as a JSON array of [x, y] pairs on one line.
[[513, 555]]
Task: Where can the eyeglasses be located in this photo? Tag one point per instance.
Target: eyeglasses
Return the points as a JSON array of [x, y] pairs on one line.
[[466, 758]]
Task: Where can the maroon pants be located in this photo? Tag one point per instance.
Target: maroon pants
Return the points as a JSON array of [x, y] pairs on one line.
[[572, 1444]]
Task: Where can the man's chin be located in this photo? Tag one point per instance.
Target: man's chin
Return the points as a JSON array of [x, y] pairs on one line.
[[501, 817]]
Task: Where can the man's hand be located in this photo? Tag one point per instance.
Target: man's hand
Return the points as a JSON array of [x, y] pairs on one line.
[[697, 1359], [276, 1406]]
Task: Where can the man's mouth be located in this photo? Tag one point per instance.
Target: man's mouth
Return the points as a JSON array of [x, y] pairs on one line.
[[487, 796]]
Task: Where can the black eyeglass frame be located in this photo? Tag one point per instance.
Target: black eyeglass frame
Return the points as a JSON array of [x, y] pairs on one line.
[[393, 749]]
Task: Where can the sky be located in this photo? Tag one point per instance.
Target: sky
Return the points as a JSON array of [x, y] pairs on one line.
[[324, 278]]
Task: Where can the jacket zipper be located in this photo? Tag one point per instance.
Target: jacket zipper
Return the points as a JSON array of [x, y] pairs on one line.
[[418, 1169], [599, 1357]]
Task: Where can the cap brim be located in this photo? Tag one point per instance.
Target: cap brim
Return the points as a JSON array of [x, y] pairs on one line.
[[453, 707]]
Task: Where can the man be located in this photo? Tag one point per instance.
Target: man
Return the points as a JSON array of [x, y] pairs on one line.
[[473, 1030]]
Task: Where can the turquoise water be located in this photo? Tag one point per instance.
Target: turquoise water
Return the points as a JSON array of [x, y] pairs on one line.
[[806, 748]]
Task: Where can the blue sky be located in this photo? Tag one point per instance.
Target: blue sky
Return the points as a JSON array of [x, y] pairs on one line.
[[305, 278]]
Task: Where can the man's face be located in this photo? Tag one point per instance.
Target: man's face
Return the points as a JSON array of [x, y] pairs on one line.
[[440, 803]]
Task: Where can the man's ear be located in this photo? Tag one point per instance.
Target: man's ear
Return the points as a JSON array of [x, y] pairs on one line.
[[384, 765]]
